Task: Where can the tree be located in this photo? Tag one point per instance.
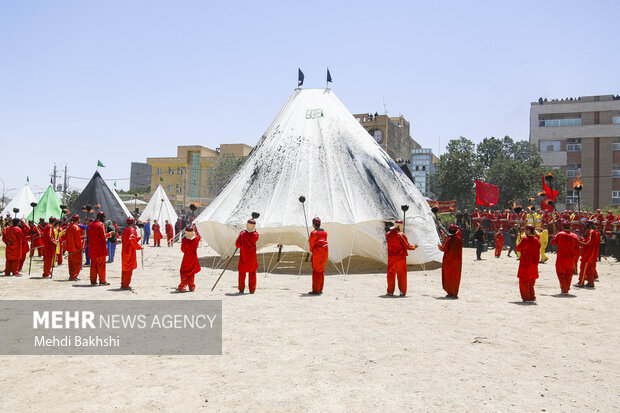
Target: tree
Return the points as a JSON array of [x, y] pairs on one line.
[[226, 166], [72, 196], [515, 167], [456, 173]]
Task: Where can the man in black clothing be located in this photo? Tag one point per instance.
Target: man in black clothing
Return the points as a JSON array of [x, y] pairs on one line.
[[479, 238], [513, 232]]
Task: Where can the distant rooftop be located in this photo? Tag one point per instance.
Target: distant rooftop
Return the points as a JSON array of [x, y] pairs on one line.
[[580, 99]]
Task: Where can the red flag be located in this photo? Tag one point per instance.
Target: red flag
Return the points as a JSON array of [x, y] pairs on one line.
[[486, 194], [549, 196]]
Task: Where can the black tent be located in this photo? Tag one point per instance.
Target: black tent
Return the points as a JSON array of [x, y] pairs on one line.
[[99, 197]]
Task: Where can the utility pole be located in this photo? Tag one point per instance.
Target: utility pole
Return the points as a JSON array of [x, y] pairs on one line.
[[64, 188], [54, 178]]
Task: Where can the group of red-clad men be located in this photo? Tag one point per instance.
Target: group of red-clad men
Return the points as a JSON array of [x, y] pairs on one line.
[[552, 220], [47, 239]]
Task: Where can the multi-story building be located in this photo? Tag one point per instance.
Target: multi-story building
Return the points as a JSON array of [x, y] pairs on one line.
[[581, 136], [140, 176], [392, 134], [422, 166], [185, 176]]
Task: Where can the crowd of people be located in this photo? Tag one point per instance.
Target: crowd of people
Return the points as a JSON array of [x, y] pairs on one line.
[[530, 234]]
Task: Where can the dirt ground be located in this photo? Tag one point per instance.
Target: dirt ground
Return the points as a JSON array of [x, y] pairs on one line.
[[349, 350]]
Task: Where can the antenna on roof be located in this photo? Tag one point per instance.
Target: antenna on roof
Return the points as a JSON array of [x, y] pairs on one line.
[[384, 107]]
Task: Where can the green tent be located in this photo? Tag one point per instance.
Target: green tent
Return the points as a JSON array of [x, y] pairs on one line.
[[48, 206]]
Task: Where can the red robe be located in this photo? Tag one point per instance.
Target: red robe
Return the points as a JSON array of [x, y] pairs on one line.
[[25, 247], [12, 237], [49, 249], [190, 265], [529, 247], [320, 253], [499, 244], [397, 245], [452, 248], [97, 251], [37, 241], [97, 240], [169, 230], [247, 244], [74, 246], [567, 255], [130, 243], [156, 232]]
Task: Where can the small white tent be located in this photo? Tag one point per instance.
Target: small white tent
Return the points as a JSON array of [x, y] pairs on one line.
[[22, 201], [159, 208], [316, 148]]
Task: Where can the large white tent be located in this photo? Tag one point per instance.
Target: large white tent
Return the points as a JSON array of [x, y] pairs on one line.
[[159, 208], [316, 148], [22, 200]]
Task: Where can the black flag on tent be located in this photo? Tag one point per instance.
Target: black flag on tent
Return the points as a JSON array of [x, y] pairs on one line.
[[329, 76], [300, 78]]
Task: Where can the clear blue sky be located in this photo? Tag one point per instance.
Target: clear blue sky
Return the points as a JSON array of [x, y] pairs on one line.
[[123, 80]]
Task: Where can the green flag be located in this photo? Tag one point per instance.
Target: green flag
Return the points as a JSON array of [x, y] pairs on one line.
[[114, 184], [161, 179], [28, 179], [100, 164]]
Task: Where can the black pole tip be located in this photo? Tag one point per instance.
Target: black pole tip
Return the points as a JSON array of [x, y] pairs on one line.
[[255, 215], [63, 207], [302, 199], [435, 210], [404, 207], [33, 204], [16, 210]]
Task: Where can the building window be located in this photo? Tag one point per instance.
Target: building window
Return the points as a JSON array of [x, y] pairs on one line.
[[170, 170], [550, 146], [158, 171], [615, 197], [616, 120], [616, 145], [573, 170], [572, 197], [573, 145], [179, 188], [170, 188], [615, 170], [546, 123]]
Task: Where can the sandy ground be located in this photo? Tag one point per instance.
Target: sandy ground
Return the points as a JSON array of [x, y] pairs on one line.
[[348, 350]]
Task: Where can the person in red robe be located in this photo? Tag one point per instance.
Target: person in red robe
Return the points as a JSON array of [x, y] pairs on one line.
[[49, 247], [130, 243], [97, 249], [499, 243], [246, 242], [529, 247], [567, 252], [26, 236], [36, 241], [62, 226], [12, 237], [169, 233], [452, 248], [190, 265], [74, 246], [320, 253], [397, 245], [590, 243], [156, 234]]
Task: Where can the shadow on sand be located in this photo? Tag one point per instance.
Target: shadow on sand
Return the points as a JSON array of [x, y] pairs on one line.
[[290, 262]]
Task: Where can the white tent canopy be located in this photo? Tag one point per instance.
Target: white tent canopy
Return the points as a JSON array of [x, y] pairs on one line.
[[159, 208], [22, 201], [316, 148]]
